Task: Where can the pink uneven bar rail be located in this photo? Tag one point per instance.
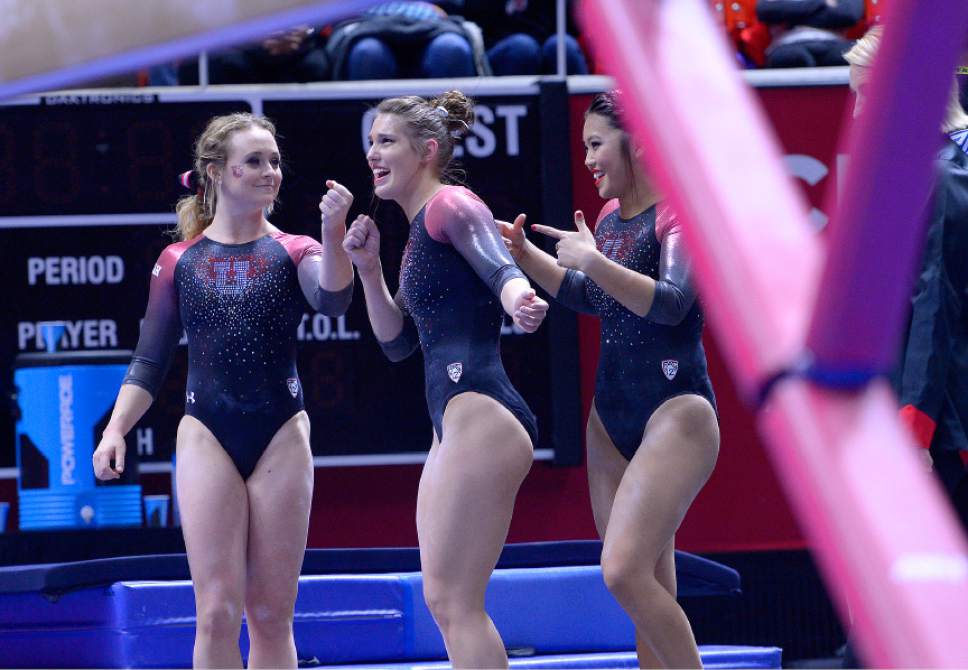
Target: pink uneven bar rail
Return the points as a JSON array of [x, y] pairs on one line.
[[886, 540]]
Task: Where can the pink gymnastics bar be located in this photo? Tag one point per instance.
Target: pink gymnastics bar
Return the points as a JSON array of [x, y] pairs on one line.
[[883, 535], [886, 540]]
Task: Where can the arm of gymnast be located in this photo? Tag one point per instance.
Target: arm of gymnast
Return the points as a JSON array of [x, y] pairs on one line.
[[314, 274], [567, 286], [675, 292], [458, 217], [392, 328], [160, 332], [665, 301], [407, 341], [573, 294], [327, 278], [161, 328], [575, 250]]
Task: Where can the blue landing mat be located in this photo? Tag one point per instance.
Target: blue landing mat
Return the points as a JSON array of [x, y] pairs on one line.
[[713, 657], [696, 576], [100, 614]]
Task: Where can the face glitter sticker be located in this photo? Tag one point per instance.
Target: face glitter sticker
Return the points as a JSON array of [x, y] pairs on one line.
[[237, 171]]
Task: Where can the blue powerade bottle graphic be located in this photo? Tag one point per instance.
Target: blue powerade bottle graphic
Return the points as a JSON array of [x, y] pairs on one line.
[[65, 402]]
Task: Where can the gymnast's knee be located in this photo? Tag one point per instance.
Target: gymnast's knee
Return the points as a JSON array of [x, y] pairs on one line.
[[269, 619], [449, 606], [627, 577], [219, 616]]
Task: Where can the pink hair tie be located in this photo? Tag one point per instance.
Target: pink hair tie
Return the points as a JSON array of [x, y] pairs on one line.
[[189, 181]]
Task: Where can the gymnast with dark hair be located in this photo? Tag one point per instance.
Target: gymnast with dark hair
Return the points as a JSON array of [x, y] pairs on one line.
[[653, 433], [457, 280], [238, 287]]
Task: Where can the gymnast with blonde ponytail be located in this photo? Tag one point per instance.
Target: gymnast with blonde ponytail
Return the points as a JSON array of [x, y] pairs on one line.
[[238, 287]]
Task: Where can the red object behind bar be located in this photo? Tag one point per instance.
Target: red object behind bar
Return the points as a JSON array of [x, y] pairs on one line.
[[921, 425]]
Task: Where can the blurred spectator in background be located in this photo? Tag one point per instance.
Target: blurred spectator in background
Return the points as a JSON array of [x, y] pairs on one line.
[[406, 39], [808, 33], [795, 33], [521, 35], [291, 56]]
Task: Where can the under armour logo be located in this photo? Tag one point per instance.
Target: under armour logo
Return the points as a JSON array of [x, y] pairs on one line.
[[155, 271], [454, 371], [190, 397], [670, 368]]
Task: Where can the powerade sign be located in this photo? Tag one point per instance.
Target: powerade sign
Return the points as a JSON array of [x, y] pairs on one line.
[[68, 460], [65, 401]]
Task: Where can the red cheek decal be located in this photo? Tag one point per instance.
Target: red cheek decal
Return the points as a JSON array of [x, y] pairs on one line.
[[237, 171]]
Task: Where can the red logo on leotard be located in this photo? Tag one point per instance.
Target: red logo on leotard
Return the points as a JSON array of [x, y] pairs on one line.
[[232, 275], [617, 248]]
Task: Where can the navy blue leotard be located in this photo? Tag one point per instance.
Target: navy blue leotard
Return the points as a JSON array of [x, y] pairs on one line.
[[644, 361], [454, 267], [240, 305]]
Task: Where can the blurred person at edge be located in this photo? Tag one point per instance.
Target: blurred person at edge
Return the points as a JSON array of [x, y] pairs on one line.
[[932, 375]]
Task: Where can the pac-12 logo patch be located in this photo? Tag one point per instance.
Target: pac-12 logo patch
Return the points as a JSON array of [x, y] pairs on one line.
[[669, 368], [454, 371], [293, 385]]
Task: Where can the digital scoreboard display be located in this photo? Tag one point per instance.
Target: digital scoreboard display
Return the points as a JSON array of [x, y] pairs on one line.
[[71, 158]]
